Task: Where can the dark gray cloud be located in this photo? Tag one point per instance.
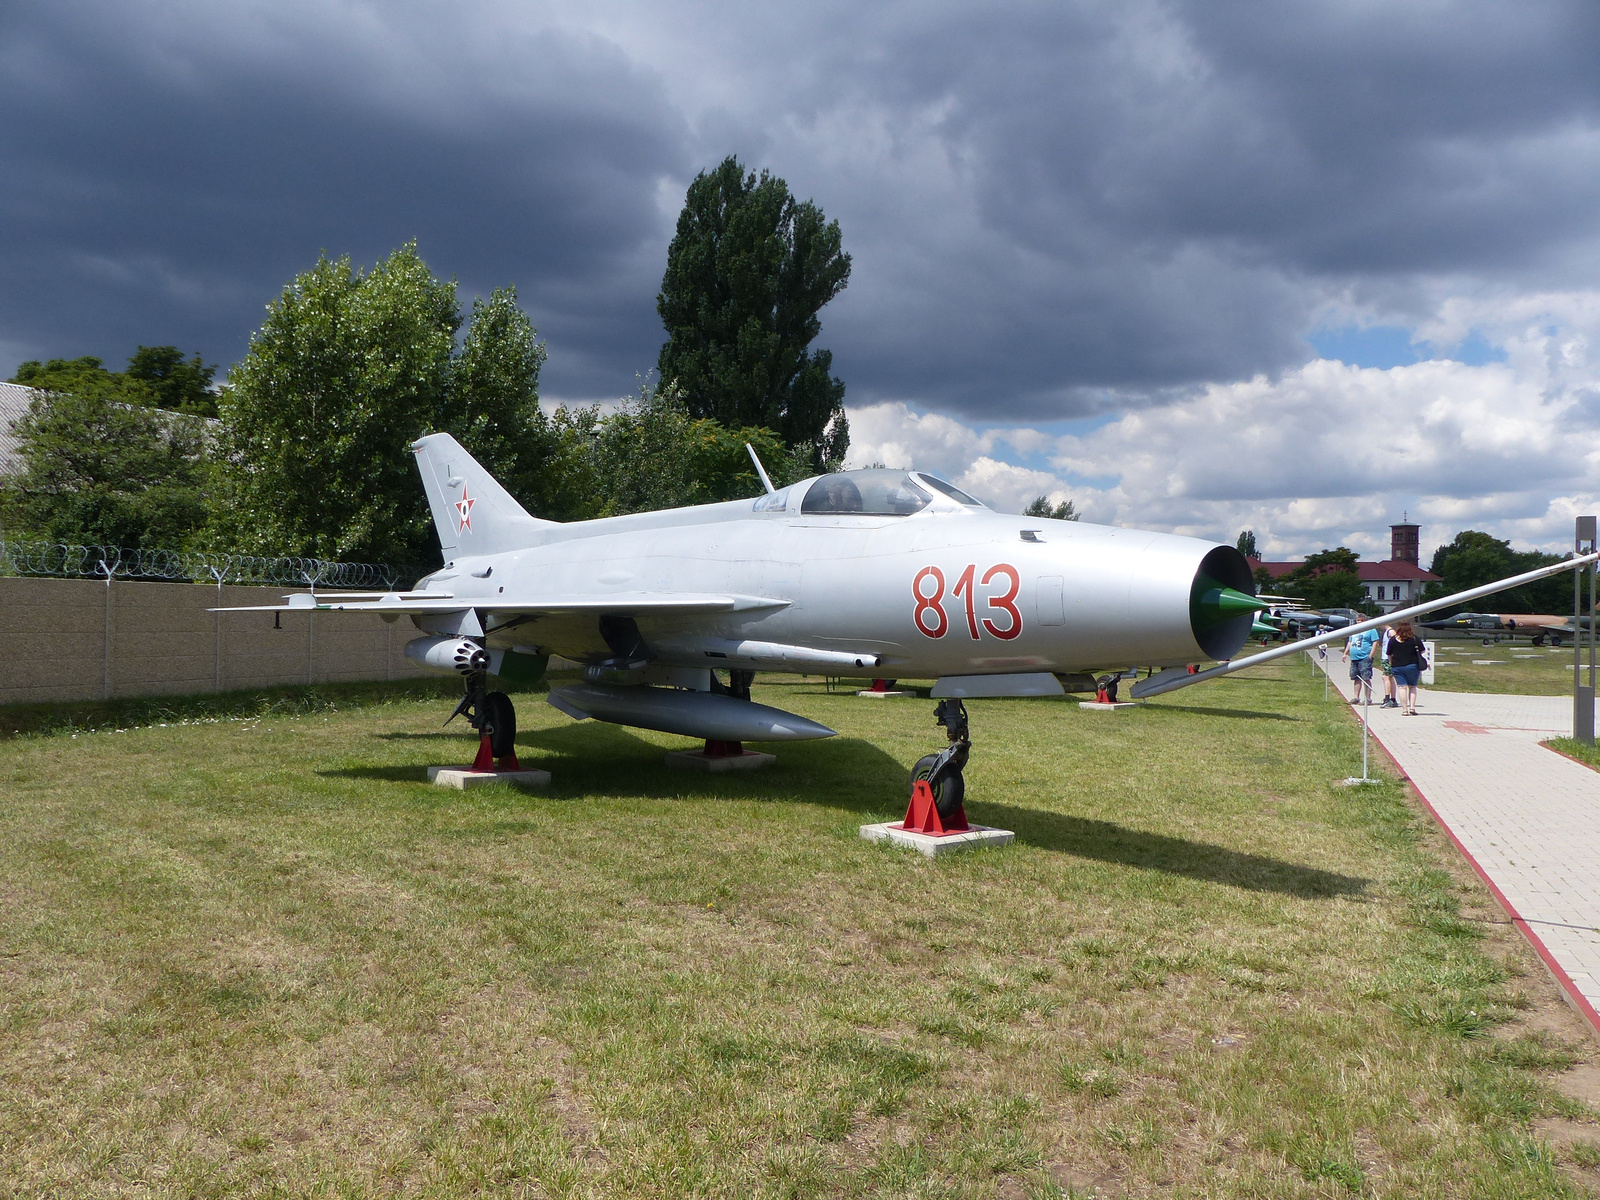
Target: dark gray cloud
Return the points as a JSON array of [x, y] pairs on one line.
[[165, 193], [1052, 208]]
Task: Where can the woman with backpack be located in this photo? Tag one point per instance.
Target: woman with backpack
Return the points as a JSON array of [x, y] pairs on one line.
[[1406, 660]]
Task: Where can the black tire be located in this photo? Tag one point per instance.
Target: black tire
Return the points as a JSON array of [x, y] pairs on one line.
[[948, 793], [501, 718]]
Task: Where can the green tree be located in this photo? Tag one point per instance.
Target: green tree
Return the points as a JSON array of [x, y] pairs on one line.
[[651, 453], [348, 369], [176, 383], [85, 376], [1040, 506], [1246, 544], [99, 470], [494, 403], [1473, 558], [156, 375], [1327, 579], [748, 270]]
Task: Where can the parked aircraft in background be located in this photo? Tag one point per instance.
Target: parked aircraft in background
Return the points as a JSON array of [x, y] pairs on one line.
[[867, 573], [1540, 627]]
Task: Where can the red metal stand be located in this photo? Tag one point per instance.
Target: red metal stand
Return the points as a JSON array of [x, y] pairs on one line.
[[879, 685], [922, 814], [507, 762], [715, 749], [485, 759], [1100, 697]]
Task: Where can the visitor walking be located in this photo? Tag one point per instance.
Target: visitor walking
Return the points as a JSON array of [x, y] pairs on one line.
[[1358, 648], [1383, 665], [1406, 661]]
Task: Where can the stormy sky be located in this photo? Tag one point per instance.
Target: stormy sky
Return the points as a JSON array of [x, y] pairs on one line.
[[1198, 266]]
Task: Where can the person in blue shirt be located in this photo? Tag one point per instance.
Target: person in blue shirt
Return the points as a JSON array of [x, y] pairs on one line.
[[1358, 649]]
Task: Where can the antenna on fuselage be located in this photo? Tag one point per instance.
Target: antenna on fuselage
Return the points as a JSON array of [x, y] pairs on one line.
[[760, 470]]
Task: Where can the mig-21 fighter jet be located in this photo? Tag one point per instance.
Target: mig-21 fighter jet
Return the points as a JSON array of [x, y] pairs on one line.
[[868, 573]]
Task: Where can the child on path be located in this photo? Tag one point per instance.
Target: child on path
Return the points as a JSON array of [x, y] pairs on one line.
[[1383, 665], [1358, 649]]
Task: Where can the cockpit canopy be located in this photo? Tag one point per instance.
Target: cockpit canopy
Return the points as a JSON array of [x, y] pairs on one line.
[[877, 492]]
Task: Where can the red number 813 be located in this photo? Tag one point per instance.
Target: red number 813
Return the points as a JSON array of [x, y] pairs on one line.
[[929, 614]]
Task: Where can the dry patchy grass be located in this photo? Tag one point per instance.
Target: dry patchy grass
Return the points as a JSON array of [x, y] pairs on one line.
[[263, 957]]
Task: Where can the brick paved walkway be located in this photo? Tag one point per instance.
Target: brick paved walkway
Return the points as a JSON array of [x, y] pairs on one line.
[[1527, 818]]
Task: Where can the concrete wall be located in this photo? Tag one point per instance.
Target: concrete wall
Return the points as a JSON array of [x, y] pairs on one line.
[[78, 639]]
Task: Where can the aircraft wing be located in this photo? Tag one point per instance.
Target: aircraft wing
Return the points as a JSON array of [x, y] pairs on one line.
[[662, 603]]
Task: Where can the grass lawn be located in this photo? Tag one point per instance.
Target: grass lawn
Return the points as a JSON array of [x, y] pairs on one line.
[[1572, 748], [259, 956], [1518, 668]]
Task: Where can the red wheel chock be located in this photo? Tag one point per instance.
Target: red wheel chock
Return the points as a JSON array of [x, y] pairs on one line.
[[922, 814], [486, 760]]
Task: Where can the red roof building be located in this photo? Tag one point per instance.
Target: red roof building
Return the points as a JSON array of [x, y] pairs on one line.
[[1393, 583]]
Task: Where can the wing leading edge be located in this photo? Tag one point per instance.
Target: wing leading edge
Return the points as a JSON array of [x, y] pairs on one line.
[[434, 602]]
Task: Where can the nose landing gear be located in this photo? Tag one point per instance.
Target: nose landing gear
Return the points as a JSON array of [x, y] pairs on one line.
[[940, 774], [495, 718]]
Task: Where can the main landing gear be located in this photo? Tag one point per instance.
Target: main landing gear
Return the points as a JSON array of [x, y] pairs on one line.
[[942, 771], [495, 718]]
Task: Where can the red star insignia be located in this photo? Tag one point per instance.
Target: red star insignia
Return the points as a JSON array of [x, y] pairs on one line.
[[463, 508]]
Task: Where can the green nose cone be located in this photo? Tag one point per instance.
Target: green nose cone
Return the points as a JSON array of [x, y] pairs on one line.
[[1211, 603], [1227, 602]]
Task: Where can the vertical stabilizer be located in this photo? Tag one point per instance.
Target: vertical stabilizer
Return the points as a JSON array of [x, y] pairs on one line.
[[473, 514]]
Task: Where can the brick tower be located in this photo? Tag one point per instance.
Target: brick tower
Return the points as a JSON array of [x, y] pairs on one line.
[[1403, 542]]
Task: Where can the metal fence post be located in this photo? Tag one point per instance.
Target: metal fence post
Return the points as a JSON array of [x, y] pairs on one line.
[[108, 568], [1583, 697], [216, 666]]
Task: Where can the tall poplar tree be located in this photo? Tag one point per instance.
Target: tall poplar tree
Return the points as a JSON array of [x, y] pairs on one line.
[[748, 270]]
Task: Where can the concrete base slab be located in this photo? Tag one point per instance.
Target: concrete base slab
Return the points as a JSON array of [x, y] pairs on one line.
[[872, 695], [1352, 781], [466, 777], [932, 845], [699, 760], [1096, 706]]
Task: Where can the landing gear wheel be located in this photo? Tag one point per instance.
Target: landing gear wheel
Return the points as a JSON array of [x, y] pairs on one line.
[[948, 793], [500, 719]]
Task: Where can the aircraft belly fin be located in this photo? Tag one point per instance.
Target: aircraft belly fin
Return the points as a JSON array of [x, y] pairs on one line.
[[967, 687]]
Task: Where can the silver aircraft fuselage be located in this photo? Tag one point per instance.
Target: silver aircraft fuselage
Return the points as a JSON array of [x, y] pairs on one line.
[[952, 589]]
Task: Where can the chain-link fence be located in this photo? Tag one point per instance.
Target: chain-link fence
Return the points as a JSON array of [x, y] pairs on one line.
[[62, 561]]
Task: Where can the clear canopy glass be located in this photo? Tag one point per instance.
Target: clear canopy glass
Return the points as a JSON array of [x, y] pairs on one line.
[[949, 489], [879, 493]]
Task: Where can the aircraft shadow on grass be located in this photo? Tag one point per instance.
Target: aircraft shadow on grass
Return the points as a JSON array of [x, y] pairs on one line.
[[855, 775], [1199, 710]]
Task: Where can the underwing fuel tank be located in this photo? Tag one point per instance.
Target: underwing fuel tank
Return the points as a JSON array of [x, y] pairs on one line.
[[693, 714]]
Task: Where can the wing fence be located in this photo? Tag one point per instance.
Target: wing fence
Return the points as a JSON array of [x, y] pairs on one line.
[[62, 561]]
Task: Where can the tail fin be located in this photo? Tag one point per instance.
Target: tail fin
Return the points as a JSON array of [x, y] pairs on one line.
[[473, 514]]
